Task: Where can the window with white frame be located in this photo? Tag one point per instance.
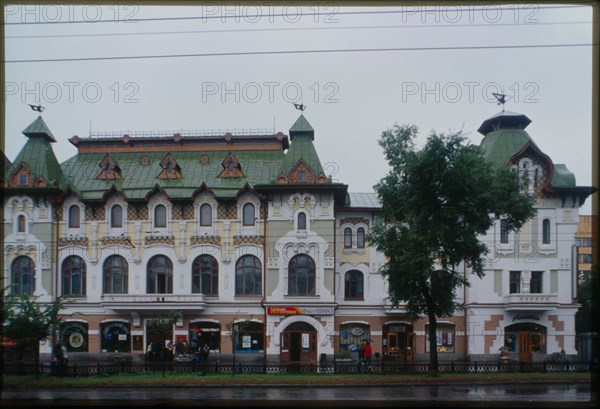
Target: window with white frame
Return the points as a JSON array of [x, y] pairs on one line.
[[116, 216], [360, 238], [206, 215], [160, 216], [22, 273], [301, 221], [248, 212], [73, 276], [546, 231], [515, 282], [347, 238], [21, 224], [74, 217]]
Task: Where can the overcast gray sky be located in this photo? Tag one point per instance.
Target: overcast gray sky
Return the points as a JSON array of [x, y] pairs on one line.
[[391, 65]]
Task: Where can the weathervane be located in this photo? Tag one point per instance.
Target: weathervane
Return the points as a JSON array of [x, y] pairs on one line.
[[301, 107], [37, 108], [502, 98]]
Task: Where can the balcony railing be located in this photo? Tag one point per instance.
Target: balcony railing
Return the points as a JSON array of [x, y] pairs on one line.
[[154, 301], [528, 301]]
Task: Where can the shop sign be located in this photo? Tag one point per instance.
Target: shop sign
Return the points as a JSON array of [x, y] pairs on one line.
[[120, 327], [300, 310]]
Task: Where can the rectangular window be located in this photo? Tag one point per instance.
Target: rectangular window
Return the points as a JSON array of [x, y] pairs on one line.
[[585, 258], [444, 337], [535, 286], [503, 232], [515, 282], [22, 179]]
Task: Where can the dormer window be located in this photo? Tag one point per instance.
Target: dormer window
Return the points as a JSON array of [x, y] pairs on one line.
[[231, 168], [110, 170], [22, 179], [171, 169]]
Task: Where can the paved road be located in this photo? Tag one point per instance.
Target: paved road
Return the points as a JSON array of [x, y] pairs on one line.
[[518, 395]]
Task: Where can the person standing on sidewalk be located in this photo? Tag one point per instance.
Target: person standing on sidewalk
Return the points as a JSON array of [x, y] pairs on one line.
[[368, 353]]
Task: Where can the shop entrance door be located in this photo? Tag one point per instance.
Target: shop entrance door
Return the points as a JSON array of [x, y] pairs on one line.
[[299, 343], [525, 346]]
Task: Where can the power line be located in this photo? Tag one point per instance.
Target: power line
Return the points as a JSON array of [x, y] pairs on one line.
[[283, 52], [488, 25], [312, 13]]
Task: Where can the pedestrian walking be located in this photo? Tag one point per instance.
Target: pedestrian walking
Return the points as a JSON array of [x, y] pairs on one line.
[[368, 353], [361, 356]]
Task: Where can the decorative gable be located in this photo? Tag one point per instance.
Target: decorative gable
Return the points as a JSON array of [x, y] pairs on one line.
[[301, 173], [231, 168], [170, 168], [21, 177], [535, 169], [110, 169]]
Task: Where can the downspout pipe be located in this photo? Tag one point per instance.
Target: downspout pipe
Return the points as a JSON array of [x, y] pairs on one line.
[[264, 292]]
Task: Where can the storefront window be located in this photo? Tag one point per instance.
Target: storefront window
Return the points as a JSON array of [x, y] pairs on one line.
[[206, 333], [75, 336], [444, 338], [115, 337], [351, 335], [250, 338]]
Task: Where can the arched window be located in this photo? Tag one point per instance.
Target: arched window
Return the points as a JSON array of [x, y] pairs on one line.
[[206, 215], [301, 275], [160, 275], [160, 216], [248, 215], [22, 275], [74, 217], [205, 275], [503, 231], [21, 224], [360, 238], [546, 231], [248, 276], [115, 275], [116, 216], [347, 238], [73, 276], [301, 221], [353, 285]]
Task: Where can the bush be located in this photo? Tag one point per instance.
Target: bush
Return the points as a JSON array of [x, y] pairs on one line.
[[120, 358]]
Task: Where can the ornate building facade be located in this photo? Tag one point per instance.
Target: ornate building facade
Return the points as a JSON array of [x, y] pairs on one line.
[[235, 228]]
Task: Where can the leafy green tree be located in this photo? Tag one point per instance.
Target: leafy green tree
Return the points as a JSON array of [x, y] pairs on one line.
[[27, 322], [235, 328], [437, 201], [161, 328]]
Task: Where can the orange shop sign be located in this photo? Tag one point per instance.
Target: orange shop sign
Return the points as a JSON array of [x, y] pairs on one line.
[[300, 310]]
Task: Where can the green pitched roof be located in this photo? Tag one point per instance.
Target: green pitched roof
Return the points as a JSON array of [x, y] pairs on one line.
[[562, 177], [302, 127], [301, 147], [501, 145], [39, 128], [137, 180], [38, 157]]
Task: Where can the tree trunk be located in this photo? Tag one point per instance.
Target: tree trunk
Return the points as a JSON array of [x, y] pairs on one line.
[[433, 355]]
